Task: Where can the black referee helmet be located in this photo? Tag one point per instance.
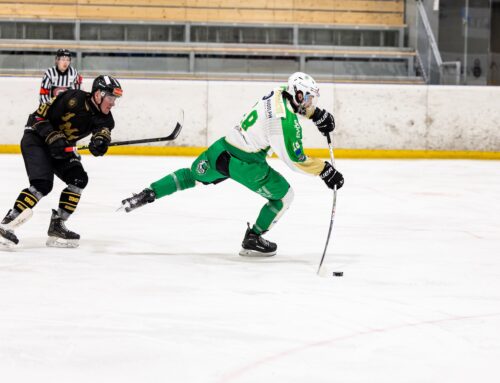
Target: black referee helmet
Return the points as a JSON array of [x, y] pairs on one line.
[[63, 53]]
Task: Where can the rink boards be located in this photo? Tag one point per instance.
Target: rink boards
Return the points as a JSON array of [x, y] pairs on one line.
[[373, 121]]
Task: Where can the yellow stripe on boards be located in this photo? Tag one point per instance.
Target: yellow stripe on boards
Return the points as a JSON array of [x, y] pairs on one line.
[[408, 154], [157, 150], [322, 153], [10, 149]]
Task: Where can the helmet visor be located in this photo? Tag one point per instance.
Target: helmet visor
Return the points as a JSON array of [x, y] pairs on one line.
[[110, 99], [113, 96], [310, 99], [117, 92]]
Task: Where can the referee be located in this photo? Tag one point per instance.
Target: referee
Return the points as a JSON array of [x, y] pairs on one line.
[[60, 77]]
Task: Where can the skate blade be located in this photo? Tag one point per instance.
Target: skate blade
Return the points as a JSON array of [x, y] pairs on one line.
[[7, 240], [62, 243], [255, 254], [125, 206], [6, 245]]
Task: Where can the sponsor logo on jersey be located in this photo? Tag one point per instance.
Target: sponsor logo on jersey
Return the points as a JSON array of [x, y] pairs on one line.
[[268, 108], [297, 149], [298, 131], [72, 102]]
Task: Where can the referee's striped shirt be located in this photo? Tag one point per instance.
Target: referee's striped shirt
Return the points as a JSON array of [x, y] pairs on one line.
[[54, 82]]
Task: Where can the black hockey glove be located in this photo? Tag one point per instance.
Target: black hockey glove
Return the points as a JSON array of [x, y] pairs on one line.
[[99, 143], [331, 176], [324, 121], [57, 143]]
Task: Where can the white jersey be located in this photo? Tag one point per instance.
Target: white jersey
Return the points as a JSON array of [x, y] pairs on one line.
[[55, 82], [272, 126]]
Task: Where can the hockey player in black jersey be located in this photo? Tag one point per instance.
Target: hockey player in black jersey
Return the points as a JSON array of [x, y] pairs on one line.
[[55, 126]]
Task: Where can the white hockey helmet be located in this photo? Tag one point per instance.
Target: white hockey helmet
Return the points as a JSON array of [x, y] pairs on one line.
[[303, 88]]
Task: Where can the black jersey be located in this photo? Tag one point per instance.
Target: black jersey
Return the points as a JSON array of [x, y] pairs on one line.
[[73, 113], [54, 82]]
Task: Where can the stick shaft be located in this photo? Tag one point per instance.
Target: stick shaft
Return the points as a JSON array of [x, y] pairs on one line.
[[334, 203], [172, 136]]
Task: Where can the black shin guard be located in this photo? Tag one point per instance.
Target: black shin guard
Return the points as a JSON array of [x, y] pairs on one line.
[[28, 198], [69, 201]]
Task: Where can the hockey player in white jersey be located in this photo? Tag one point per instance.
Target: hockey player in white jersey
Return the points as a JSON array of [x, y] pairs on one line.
[[62, 76], [272, 125]]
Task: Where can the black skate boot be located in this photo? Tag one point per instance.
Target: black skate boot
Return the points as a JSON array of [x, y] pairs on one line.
[[7, 236], [137, 200], [59, 235], [254, 245]]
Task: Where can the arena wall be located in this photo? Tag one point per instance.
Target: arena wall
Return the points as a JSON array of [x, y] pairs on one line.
[[381, 121]]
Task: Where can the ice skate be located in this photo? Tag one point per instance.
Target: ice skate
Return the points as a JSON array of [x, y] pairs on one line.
[[12, 220], [254, 245], [137, 200], [59, 235], [7, 239]]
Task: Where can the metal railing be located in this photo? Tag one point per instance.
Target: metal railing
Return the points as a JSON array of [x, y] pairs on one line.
[[433, 69]]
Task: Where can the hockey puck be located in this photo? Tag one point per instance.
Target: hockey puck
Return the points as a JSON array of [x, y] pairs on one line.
[[338, 273]]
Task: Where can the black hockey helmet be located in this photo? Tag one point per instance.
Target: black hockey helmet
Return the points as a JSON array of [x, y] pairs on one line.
[[63, 53], [107, 84]]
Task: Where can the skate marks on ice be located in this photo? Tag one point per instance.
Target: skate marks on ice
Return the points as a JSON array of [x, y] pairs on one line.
[[431, 327], [165, 288], [214, 257]]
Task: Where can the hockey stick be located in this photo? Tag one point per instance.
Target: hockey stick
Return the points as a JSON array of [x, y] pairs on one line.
[[172, 136], [332, 158]]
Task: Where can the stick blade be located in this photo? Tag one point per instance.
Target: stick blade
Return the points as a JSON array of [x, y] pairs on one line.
[[322, 271], [175, 133], [179, 114]]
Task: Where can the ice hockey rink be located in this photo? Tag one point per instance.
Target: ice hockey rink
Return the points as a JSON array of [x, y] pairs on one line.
[[161, 295]]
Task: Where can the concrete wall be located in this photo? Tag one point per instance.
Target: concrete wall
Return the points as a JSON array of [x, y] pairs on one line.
[[398, 117]]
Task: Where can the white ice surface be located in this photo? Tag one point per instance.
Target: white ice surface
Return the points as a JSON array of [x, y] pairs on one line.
[[160, 294]]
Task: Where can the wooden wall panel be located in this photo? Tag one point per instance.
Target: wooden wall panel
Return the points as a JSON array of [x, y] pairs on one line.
[[347, 12]]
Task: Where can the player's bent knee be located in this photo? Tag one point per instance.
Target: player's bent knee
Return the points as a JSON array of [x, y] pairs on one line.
[[82, 181], [284, 203], [76, 176], [42, 186]]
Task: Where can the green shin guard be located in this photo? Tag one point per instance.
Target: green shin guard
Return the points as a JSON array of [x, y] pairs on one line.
[[272, 211], [268, 216], [179, 180]]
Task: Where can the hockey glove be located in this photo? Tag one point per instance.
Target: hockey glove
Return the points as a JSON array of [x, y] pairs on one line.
[[99, 143], [331, 176], [57, 142], [324, 121]]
